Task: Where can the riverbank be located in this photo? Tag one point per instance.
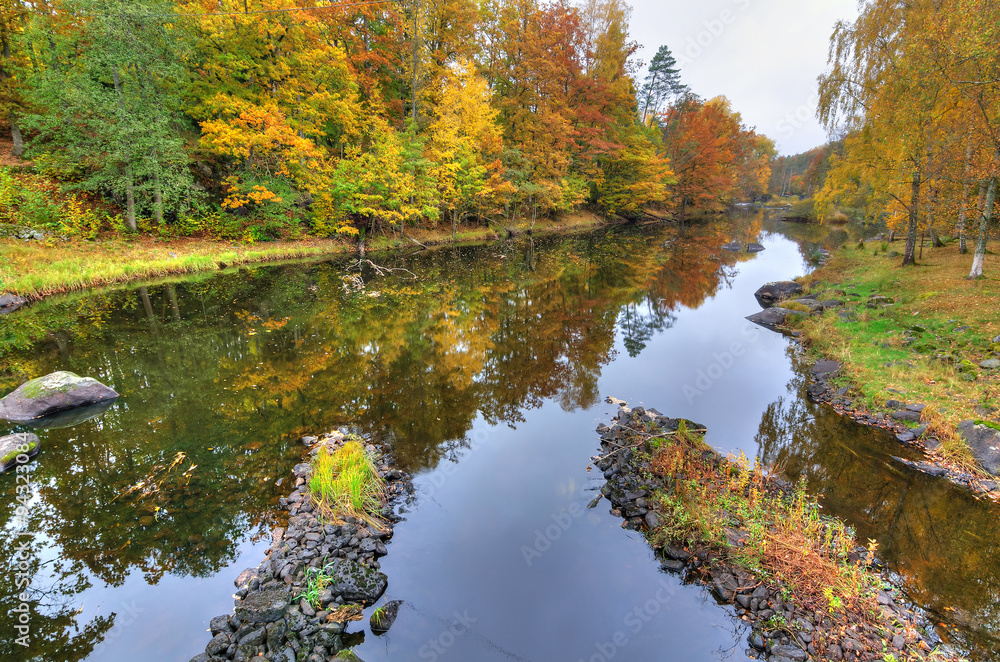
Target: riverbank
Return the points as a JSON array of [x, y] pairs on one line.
[[759, 544], [34, 269], [922, 336], [315, 580]]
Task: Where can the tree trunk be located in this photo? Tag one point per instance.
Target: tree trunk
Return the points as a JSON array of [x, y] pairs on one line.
[[963, 210], [15, 134], [985, 214], [130, 199], [911, 228], [157, 200], [129, 184]]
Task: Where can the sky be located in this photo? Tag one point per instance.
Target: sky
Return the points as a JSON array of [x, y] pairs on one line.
[[764, 55]]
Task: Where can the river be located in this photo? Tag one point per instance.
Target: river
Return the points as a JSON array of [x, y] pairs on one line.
[[485, 369]]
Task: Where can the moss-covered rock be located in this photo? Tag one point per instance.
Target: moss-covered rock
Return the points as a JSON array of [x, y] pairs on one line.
[[14, 446], [52, 395]]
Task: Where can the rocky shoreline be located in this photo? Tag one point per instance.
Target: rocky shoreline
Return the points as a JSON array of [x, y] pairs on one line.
[[271, 619], [893, 421], [783, 299], [782, 629]]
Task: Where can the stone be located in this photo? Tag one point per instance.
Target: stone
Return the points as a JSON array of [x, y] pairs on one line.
[[984, 442], [652, 520], [245, 577], [673, 566], [772, 293], [811, 304], [906, 415], [354, 582], [757, 641], [825, 368], [24, 445], [770, 318], [254, 638], [990, 364], [37, 401], [219, 643], [263, 607], [996, 340], [383, 617], [733, 247], [219, 624], [10, 302], [916, 408], [906, 437], [789, 652], [754, 247]]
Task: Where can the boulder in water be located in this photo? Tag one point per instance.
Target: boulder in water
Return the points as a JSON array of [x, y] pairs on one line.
[[17, 445], [772, 293], [53, 395]]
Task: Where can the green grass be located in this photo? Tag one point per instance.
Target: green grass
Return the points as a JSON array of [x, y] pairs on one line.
[[932, 301], [34, 269], [317, 579], [345, 483]]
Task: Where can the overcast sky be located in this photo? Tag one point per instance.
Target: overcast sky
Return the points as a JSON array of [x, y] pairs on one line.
[[764, 55]]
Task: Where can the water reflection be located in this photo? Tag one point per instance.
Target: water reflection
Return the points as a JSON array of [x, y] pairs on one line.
[[229, 371], [938, 538]]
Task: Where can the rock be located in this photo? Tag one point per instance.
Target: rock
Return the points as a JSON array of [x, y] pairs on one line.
[[990, 364], [811, 304], [673, 566], [996, 340], [876, 301], [916, 408], [201, 657], [772, 293], [245, 577], [383, 617], [770, 318], [754, 247], [906, 437], [10, 302], [264, 607], [354, 582], [825, 368], [219, 643], [789, 652], [984, 442], [757, 641], [733, 247], [37, 401], [831, 304], [219, 624], [906, 415], [17, 445], [652, 520]]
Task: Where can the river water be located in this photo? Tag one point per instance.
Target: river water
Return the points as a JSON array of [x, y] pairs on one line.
[[486, 370]]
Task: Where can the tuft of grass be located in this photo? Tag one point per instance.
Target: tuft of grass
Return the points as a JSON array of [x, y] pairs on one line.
[[317, 580], [345, 483]]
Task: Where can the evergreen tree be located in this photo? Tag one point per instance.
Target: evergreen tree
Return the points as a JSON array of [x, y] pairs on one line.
[[662, 82]]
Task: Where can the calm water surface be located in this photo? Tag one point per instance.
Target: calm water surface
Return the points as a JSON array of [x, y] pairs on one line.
[[486, 374]]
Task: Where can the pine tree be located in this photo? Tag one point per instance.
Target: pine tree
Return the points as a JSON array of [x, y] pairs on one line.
[[663, 81]]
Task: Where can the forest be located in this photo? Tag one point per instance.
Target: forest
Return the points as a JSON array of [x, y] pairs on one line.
[[913, 90], [265, 119]]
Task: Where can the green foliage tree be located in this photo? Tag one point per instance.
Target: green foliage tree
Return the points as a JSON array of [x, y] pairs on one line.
[[107, 102]]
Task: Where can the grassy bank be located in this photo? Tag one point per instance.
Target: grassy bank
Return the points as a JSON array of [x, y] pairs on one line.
[[924, 345], [36, 269], [796, 576]]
